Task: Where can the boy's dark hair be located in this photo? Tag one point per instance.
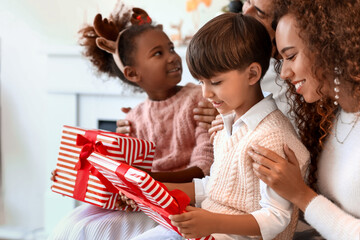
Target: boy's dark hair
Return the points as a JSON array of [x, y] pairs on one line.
[[231, 41]]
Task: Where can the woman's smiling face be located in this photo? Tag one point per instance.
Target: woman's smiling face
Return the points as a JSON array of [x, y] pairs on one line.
[[296, 66]]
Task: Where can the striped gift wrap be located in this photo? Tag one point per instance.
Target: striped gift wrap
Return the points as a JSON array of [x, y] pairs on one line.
[[119, 147], [151, 196]]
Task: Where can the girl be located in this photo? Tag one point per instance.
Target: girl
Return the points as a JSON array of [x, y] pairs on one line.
[[229, 55], [142, 55], [319, 42], [156, 69]]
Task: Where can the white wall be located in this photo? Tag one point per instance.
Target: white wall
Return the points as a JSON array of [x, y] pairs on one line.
[[27, 29], [23, 91]]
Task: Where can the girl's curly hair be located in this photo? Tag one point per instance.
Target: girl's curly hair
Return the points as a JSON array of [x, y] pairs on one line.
[[103, 61], [330, 29]]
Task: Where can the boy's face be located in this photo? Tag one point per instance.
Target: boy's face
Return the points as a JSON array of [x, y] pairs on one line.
[[230, 91]]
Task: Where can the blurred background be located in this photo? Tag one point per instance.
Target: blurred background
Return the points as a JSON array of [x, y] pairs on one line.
[[46, 83]]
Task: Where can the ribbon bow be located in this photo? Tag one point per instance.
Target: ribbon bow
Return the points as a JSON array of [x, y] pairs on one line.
[[142, 20], [140, 17], [84, 167], [89, 146]]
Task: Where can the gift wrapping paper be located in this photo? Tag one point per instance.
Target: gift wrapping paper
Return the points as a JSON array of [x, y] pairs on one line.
[[151, 196], [77, 178]]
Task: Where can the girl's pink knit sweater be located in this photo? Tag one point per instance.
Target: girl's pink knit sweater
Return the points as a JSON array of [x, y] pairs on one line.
[[170, 124]]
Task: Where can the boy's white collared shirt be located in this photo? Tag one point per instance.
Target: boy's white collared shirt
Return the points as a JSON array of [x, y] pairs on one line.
[[251, 118], [275, 212]]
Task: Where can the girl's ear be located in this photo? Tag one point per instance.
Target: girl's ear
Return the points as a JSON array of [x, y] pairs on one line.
[[254, 70], [131, 74]]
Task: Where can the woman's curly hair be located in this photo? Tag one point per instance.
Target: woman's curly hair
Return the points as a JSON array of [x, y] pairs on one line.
[[330, 29]]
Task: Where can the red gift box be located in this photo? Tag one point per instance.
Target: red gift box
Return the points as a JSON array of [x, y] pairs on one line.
[[77, 178], [151, 196]]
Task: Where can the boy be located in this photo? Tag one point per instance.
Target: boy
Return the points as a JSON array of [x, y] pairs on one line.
[[229, 55]]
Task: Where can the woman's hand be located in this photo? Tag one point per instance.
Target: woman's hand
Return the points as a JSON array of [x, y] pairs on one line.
[[204, 114], [284, 176], [195, 223], [216, 125]]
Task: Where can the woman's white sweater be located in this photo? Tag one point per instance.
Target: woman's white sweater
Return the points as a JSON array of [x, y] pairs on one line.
[[336, 213]]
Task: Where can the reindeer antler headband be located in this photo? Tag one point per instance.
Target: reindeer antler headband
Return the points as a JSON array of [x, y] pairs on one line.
[[109, 33]]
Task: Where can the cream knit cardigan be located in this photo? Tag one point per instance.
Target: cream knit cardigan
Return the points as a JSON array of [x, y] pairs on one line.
[[234, 186]]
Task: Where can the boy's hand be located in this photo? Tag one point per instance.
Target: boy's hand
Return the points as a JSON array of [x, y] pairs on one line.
[[124, 201], [204, 114], [195, 223]]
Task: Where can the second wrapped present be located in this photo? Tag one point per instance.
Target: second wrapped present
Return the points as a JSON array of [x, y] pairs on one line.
[[77, 178]]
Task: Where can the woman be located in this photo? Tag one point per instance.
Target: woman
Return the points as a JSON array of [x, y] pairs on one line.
[[319, 42]]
